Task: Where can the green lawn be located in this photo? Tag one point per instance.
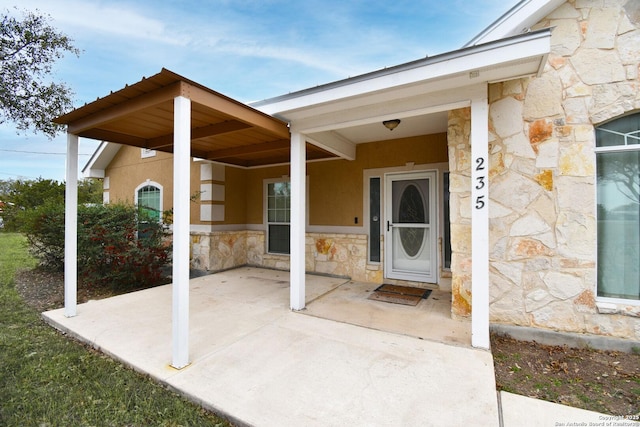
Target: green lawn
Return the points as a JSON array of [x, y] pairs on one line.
[[47, 379]]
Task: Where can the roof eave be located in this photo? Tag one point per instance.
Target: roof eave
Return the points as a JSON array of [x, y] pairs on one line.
[[436, 67], [517, 20], [100, 159]]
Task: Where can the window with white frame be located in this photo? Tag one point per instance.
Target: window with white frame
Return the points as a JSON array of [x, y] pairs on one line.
[[278, 216], [149, 200], [618, 197]]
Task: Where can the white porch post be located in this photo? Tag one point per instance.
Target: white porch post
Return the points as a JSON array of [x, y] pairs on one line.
[[71, 228], [297, 225], [480, 222], [181, 221]]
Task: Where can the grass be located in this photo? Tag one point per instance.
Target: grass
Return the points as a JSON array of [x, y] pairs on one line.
[[47, 379]]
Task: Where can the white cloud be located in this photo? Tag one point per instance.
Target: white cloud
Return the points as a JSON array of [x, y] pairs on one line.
[[341, 39], [112, 19]]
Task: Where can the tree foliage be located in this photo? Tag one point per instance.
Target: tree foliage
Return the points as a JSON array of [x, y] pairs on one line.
[[28, 49], [19, 196]]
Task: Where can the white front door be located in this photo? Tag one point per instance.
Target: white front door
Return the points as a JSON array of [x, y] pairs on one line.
[[410, 227]]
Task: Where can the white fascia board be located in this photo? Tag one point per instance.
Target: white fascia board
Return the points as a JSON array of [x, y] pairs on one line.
[[433, 70], [517, 20], [100, 159]]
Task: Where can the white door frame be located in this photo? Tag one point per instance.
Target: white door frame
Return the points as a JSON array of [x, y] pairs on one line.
[[432, 275]]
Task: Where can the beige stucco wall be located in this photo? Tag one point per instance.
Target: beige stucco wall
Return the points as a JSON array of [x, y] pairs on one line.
[[335, 194], [128, 170], [335, 200], [339, 183], [542, 139]]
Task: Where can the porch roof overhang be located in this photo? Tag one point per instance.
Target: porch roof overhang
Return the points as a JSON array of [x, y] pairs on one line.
[[222, 129]]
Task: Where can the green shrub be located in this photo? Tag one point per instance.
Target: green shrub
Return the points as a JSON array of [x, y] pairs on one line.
[[118, 245], [44, 228]]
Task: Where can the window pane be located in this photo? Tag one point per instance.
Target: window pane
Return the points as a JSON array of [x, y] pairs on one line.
[[447, 223], [279, 239], [149, 201], [622, 131], [278, 207], [619, 225], [374, 219]]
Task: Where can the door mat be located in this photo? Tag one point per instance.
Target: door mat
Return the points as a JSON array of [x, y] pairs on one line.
[[395, 294]]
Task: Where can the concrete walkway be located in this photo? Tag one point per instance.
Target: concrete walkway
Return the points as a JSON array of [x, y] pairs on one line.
[[257, 363]]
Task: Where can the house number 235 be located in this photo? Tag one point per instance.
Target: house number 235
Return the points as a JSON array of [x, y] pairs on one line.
[[480, 183]]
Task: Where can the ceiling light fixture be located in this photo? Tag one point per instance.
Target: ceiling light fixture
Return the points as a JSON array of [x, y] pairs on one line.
[[391, 124]]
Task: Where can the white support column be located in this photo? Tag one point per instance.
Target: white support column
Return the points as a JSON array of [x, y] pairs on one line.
[[71, 228], [480, 222], [181, 221], [298, 221]]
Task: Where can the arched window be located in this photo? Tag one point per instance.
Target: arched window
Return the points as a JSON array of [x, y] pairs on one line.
[[148, 198], [618, 196]]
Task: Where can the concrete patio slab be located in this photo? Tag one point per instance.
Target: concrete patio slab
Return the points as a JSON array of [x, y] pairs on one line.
[[258, 363], [302, 370], [261, 364], [430, 319]]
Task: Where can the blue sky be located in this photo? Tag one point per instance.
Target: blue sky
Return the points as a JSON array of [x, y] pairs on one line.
[[246, 49]]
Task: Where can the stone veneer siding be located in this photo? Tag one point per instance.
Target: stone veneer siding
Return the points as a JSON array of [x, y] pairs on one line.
[[542, 168], [458, 139], [330, 253]]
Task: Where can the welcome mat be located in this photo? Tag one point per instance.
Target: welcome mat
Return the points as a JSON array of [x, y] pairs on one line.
[[396, 294]]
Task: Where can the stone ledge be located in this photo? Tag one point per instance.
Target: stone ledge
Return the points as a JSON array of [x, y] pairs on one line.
[[550, 337], [613, 308], [279, 257]]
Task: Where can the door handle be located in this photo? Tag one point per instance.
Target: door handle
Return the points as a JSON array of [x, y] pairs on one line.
[[388, 225]]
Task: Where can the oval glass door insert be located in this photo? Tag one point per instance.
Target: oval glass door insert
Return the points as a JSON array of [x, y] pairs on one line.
[[412, 211]]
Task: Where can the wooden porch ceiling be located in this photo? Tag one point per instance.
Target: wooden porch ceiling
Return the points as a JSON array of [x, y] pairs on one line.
[[222, 129]]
